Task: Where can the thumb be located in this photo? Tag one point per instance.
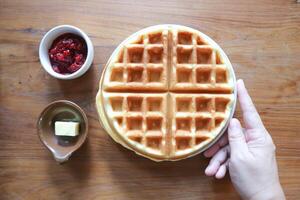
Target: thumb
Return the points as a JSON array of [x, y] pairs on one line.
[[237, 141]]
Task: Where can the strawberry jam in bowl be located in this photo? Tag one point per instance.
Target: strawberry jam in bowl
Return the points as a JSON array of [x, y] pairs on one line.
[[66, 52]]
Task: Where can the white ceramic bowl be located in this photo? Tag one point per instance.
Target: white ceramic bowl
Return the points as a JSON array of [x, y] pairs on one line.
[[47, 42]]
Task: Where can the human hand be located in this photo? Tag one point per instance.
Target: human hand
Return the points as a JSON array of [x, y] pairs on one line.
[[248, 154]]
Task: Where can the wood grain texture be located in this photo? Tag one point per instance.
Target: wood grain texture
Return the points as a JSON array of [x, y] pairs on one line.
[[261, 38]]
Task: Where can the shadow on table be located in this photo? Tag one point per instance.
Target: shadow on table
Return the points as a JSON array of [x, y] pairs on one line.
[[81, 90], [74, 173], [79, 163], [140, 178]]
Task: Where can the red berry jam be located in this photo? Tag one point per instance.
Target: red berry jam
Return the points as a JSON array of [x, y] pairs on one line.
[[67, 53]]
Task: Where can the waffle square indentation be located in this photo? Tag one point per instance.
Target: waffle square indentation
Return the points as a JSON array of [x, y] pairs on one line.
[[203, 75], [119, 120], [154, 142], [116, 103], [117, 75], [154, 74], [221, 104], [185, 38], [135, 54], [184, 75], [120, 57], [184, 105], [200, 41], [200, 139], [135, 138], [155, 38], [183, 143], [134, 104], [183, 124], [154, 123], [221, 76], [203, 104], [135, 74], [204, 55], [155, 54], [134, 123], [218, 121], [154, 104], [203, 123], [218, 58], [184, 55]]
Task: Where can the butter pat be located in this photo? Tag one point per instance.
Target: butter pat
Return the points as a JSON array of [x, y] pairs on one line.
[[66, 128]]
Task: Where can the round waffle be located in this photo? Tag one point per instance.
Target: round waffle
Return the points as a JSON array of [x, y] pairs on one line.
[[167, 92]]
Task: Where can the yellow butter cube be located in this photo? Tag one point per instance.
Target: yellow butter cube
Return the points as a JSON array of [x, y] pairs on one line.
[[66, 128]]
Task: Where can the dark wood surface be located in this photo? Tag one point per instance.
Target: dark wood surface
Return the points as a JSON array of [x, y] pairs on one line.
[[261, 38]]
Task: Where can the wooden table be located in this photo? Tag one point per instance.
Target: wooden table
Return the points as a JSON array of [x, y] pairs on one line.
[[262, 39]]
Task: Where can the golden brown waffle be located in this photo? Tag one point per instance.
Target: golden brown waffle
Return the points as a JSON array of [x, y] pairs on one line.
[[140, 65], [195, 119], [167, 92]]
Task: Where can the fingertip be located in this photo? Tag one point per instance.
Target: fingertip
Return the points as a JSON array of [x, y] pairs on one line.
[[240, 82], [221, 172], [217, 176], [240, 85], [211, 169], [234, 119], [234, 123], [208, 171], [250, 114]]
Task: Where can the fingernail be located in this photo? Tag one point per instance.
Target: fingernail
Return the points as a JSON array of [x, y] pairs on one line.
[[208, 170], [240, 81], [234, 123]]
